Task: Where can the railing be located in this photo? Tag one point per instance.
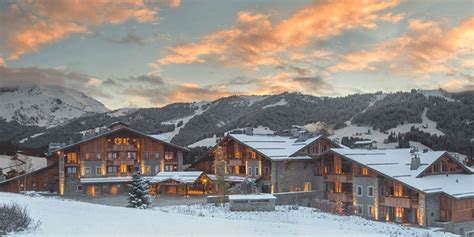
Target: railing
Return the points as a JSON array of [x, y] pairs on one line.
[[405, 202], [122, 148], [339, 197], [343, 178]]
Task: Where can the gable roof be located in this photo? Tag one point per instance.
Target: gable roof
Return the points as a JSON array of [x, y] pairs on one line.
[[119, 130], [395, 163], [186, 177]]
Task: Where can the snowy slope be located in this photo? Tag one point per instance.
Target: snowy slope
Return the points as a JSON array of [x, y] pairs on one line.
[[45, 106], [33, 162], [56, 216]]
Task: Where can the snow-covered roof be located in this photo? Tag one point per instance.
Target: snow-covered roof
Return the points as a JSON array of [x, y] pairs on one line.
[[261, 196], [275, 147], [187, 177], [395, 163], [121, 179], [230, 178]]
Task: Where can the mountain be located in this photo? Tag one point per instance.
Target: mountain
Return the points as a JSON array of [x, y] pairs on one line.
[[45, 106], [440, 120]]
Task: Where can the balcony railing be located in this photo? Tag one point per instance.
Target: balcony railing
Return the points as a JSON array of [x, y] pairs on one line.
[[405, 202], [343, 178], [122, 148], [339, 197]]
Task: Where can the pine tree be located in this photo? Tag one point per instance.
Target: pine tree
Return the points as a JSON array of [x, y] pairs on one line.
[[138, 191]]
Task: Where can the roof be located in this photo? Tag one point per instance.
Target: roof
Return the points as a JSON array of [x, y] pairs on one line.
[[364, 142], [395, 163], [261, 196], [187, 177], [120, 179], [275, 147], [117, 130], [230, 178]]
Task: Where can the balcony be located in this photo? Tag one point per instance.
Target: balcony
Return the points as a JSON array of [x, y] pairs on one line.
[[339, 197], [405, 202], [343, 178], [122, 148], [118, 162]]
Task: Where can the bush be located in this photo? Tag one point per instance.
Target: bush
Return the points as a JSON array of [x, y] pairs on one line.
[[15, 218]]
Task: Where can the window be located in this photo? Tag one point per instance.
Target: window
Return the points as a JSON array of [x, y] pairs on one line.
[[359, 209], [359, 191], [157, 168], [168, 155], [123, 169], [256, 171], [147, 169], [249, 173], [79, 187], [307, 186], [71, 158], [98, 156], [71, 170], [111, 169], [98, 170], [365, 171], [87, 156], [87, 170], [371, 211], [112, 156], [370, 191], [157, 155]]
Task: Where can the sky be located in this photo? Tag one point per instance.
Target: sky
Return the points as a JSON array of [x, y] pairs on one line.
[[152, 53]]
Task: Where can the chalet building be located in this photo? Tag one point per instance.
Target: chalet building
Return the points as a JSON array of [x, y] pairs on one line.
[[101, 164], [277, 163], [429, 188]]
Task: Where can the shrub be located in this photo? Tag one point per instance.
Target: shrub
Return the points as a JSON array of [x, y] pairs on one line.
[[15, 218]]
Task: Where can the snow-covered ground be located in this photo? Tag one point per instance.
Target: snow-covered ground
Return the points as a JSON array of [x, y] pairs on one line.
[[279, 103], [61, 217]]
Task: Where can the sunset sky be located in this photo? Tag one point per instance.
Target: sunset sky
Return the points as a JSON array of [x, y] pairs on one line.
[[151, 53]]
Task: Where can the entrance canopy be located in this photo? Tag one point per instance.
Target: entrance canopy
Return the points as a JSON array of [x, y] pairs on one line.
[[184, 177]]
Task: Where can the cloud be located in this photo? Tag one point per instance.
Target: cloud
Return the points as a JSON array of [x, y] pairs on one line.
[[255, 40], [426, 47], [2, 62], [27, 76], [284, 82], [131, 38], [29, 25]]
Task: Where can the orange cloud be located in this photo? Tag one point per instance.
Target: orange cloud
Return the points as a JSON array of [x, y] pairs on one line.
[[284, 82], [255, 40], [2, 62], [28, 25], [425, 48]]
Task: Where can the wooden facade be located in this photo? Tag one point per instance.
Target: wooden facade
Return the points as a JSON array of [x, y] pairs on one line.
[[45, 179]]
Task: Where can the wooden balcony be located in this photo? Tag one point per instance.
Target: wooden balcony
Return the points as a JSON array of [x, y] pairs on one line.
[[122, 148], [343, 178], [405, 202], [121, 162], [339, 197]]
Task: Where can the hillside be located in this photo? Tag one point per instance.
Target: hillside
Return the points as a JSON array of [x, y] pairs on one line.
[[45, 106], [441, 120]]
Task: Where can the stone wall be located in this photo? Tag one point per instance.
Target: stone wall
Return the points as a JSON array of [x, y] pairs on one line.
[[364, 200], [292, 176], [460, 228], [431, 208], [252, 205], [298, 198]]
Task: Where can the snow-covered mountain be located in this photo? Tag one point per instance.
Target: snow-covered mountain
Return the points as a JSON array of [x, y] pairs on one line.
[[45, 106]]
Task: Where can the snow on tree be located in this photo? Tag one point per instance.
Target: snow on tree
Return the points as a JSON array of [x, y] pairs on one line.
[[138, 191]]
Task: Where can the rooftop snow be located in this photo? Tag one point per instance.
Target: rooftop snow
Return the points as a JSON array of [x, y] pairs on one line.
[[123, 179], [178, 176], [274, 147], [395, 163], [252, 197]]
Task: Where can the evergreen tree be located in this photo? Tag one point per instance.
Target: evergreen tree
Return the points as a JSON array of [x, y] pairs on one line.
[[138, 191]]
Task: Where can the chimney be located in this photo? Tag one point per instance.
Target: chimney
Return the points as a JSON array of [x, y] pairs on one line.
[[415, 162], [248, 130], [302, 136], [413, 149]]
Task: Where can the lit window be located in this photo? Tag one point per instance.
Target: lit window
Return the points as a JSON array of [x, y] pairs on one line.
[[123, 169], [98, 156], [72, 158], [87, 156], [98, 170], [131, 155], [365, 171], [118, 140], [370, 191], [168, 155], [147, 169], [371, 211], [307, 186]]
